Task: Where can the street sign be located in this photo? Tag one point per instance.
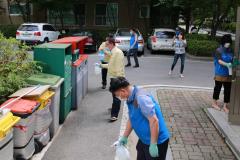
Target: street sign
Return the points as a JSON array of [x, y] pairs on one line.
[[234, 113]]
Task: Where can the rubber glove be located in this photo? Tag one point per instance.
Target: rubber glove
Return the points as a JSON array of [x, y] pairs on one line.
[[229, 65], [123, 140], [153, 150]]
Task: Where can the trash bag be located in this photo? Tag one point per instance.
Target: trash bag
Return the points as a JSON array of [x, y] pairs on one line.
[[97, 69], [122, 152]]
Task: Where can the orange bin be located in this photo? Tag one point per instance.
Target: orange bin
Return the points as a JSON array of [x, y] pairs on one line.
[[76, 42]]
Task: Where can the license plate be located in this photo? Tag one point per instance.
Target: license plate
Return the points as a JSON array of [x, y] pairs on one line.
[[125, 42]]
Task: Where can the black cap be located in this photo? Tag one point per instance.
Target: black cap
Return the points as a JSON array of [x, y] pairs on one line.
[[118, 83]]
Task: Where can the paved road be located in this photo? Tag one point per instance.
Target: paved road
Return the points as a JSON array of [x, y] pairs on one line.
[[86, 134]]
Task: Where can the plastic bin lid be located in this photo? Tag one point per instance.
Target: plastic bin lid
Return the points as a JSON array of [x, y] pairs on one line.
[[70, 39], [77, 62], [84, 57], [22, 106], [7, 121], [43, 79], [37, 92]]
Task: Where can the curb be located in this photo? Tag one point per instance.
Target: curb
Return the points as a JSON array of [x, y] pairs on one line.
[[199, 58]]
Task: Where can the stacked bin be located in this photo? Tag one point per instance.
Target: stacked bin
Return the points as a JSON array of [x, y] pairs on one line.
[[24, 130], [77, 81], [7, 121], [43, 115], [84, 59], [57, 60], [55, 82], [78, 44]]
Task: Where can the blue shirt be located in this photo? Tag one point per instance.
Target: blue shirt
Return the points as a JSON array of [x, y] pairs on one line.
[[132, 40], [138, 115], [225, 55]]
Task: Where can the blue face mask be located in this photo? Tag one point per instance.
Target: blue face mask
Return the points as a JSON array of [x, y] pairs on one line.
[[131, 32]]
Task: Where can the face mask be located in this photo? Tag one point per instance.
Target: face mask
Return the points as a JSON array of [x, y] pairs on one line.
[[227, 45], [131, 33], [121, 99]]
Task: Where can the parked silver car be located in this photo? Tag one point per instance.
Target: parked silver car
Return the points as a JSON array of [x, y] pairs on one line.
[[122, 40], [161, 39]]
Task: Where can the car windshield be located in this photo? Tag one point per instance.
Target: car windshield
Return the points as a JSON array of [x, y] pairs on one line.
[[125, 33], [28, 28], [165, 34]]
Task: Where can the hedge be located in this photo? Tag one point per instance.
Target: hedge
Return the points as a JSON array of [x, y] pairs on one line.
[[201, 45], [8, 30]]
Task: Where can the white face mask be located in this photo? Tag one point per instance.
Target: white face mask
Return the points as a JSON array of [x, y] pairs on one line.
[[121, 99], [227, 45]]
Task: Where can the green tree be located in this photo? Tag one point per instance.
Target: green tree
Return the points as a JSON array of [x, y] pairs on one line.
[[16, 65]]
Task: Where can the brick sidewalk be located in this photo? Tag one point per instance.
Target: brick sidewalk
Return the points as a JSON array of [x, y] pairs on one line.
[[193, 136]]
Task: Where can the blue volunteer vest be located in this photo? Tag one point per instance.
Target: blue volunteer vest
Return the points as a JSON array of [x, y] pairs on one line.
[[132, 40], [226, 56], [140, 123]]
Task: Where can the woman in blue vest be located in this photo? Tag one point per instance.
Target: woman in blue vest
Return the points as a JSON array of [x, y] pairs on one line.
[[133, 48], [223, 60], [145, 118]]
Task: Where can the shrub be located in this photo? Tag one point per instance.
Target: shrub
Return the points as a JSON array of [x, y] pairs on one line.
[[15, 66], [202, 48], [8, 30]]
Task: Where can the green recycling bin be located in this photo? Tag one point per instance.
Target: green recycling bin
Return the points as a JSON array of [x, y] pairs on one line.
[[57, 60], [55, 82]]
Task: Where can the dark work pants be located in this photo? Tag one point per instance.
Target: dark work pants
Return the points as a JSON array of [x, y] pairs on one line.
[[104, 75], [143, 151], [133, 52], [176, 57], [115, 106], [227, 90]]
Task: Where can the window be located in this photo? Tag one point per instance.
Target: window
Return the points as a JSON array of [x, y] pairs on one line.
[[48, 28], [165, 34], [16, 9], [107, 14], [101, 14], [144, 11], [28, 28], [79, 14]]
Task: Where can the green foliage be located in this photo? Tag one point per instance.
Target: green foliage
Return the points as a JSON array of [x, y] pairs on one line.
[[8, 30], [15, 66], [201, 45]]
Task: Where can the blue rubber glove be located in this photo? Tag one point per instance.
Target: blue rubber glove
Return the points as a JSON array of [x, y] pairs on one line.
[[123, 140], [153, 150]]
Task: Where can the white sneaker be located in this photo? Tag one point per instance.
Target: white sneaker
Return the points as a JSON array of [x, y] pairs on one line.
[[170, 73], [181, 75]]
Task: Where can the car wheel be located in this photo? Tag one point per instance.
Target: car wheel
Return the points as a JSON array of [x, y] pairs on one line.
[[148, 46], [96, 48], [140, 53], [46, 40], [152, 51]]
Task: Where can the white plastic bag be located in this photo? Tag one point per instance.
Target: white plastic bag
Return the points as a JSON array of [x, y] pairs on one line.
[[97, 69], [122, 152]]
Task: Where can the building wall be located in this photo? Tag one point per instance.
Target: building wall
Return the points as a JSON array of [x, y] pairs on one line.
[[128, 14], [38, 15]]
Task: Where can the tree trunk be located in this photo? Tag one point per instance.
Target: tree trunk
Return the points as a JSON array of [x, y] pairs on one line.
[[61, 20], [28, 11], [9, 16]]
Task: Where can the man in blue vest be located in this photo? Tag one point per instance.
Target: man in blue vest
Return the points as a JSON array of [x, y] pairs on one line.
[[145, 118], [133, 48]]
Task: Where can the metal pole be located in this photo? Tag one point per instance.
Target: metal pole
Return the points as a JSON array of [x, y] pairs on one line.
[[234, 113]]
